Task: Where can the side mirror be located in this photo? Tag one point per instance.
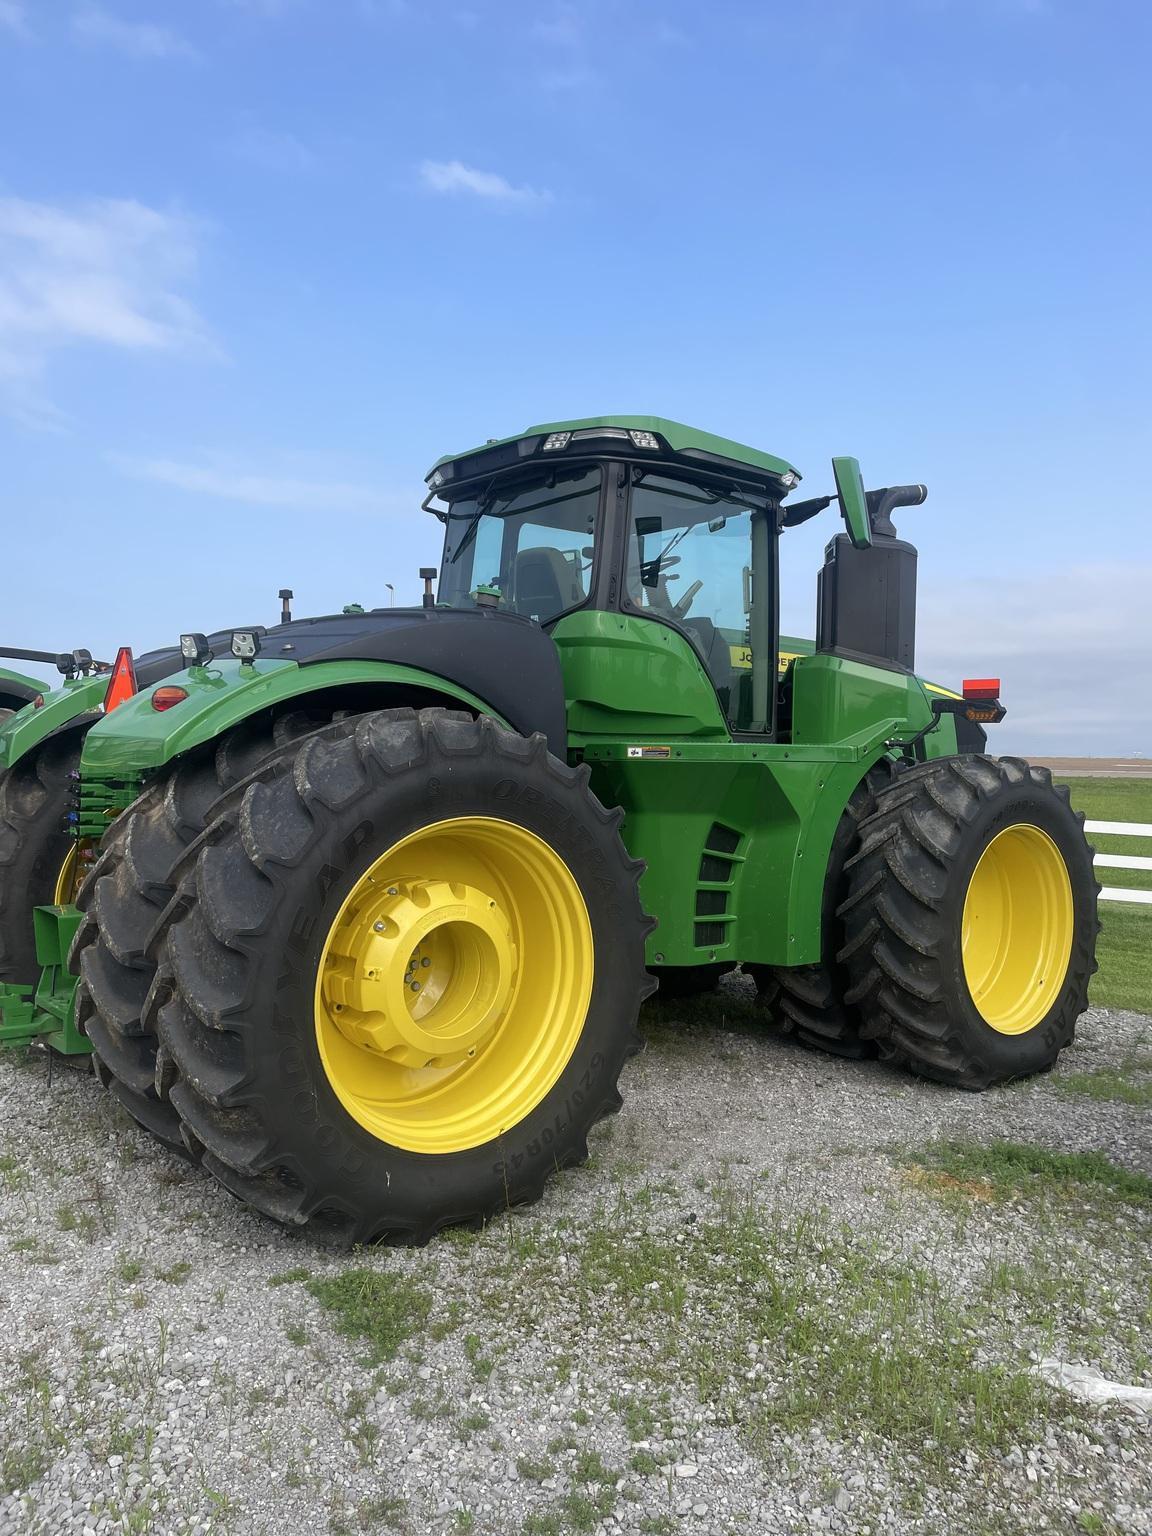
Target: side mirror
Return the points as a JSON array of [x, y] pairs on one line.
[[853, 501]]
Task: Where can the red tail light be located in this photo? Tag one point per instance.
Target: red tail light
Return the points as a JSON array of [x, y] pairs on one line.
[[122, 683], [981, 688], [164, 698]]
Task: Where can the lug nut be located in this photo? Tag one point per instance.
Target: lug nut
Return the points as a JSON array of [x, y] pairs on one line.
[[378, 927], [415, 986], [425, 962]]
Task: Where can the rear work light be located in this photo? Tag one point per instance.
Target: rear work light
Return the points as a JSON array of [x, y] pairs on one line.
[[556, 440], [122, 683], [164, 698], [981, 688]]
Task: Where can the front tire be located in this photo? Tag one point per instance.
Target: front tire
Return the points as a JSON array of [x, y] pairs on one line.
[[402, 978], [970, 923], [809, 1001]]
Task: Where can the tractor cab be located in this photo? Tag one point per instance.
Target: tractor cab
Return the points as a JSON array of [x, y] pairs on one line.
[[673, 533]]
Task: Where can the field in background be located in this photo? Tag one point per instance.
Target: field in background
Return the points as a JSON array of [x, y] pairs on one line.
[[1125, 951]]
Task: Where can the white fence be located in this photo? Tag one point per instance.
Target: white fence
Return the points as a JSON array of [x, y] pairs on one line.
[[1122, 860]]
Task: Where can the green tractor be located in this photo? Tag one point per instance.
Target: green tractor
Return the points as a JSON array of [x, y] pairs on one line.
[[42, 729], [371, 939]]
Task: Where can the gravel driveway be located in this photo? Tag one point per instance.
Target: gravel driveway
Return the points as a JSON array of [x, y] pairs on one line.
[[773, 1302]]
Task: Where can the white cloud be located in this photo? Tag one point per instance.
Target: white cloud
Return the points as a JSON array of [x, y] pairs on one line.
[[228, 483], [453, 176], [100, 273], [140, 40], [14, 17], [1071, 645], [272, 150]]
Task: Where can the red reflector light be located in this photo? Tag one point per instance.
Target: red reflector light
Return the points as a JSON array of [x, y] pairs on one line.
[[164, 698], [122, 684], [981, 688], [38, 701]]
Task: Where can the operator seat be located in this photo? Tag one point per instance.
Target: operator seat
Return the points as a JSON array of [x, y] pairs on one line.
[[545, 584], [713, 650]]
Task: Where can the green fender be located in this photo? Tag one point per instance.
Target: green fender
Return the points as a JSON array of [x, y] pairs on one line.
[[136, 738], [15, 685], [73, 702]]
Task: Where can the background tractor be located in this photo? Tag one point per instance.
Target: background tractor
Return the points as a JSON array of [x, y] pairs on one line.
[[16, 690], [47, 837], [372, 937]]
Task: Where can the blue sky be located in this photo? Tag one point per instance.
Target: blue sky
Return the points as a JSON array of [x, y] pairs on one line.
[[263, 261]]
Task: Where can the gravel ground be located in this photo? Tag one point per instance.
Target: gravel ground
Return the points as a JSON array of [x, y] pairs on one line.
[[754, 1311]]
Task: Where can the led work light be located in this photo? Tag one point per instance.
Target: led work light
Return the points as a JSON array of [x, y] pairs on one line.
[[245, 644], [195, 650]]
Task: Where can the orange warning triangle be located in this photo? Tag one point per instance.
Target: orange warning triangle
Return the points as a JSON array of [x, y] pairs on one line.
[[122, 684]]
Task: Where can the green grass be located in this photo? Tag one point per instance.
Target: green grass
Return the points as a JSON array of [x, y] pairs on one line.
[[1109, 1085], [385, 1310], [1012, 1168], [874, 1345], [1124, 952]]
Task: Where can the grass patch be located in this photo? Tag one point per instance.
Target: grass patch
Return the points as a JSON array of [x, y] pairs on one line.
[[873, 1345], [20, 1467], [290, 1277], [176, 1274], [1124, 950], [1108, 1085], [1011, 1168], [384, 1310]]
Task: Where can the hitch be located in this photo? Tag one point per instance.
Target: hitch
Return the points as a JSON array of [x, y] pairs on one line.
[[46, 1013]]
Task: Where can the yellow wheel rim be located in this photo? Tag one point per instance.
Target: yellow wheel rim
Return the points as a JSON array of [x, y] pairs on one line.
[[453, 985], [70, 878], [1016, 932]]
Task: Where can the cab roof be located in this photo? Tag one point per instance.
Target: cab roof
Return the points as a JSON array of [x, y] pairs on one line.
[[675, 436]]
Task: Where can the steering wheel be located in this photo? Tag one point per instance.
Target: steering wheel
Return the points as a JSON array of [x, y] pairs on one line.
[[682, 604]]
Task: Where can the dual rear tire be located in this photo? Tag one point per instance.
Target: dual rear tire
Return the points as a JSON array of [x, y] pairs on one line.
[[389, 987]]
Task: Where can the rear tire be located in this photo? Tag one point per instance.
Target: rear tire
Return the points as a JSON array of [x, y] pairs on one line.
[[264, 1081], [926, 935], [35, 798]]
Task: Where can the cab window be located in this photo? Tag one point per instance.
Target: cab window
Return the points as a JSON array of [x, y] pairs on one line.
[[690, 563], [531, 544]]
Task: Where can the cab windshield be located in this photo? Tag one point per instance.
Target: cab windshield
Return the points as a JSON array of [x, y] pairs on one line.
[[531, 544]]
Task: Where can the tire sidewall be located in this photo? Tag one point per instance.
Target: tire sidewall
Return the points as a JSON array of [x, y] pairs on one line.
[[1035, 1049]]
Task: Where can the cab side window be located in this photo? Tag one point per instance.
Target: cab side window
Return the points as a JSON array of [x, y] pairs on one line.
[[690, 562]]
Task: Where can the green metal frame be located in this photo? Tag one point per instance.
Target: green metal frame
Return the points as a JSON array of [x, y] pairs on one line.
[[46, 1014]]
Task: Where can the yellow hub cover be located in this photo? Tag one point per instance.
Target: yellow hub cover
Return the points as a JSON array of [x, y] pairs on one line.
[[453, 984], [1016, 931]]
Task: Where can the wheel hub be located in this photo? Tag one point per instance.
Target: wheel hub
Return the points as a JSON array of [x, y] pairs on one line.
[[453, 984], [423, 975]]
